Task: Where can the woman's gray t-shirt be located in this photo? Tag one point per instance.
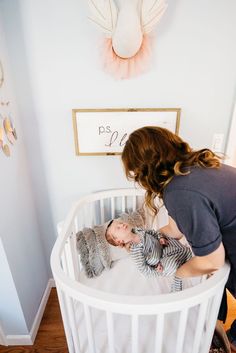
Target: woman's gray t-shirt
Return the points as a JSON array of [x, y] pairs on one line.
[[203, 204]]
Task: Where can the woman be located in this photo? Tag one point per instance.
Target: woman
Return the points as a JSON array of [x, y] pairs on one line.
[[199, 193]]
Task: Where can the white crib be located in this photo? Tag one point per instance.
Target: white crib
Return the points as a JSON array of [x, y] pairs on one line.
[[196, 307]]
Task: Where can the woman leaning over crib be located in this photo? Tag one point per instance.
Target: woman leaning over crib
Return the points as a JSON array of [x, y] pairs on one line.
[[199, 193]]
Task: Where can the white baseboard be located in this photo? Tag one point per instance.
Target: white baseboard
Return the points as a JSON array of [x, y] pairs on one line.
[[3, 340], [52, 281], [19, 340], [27, 340], [39, 315]]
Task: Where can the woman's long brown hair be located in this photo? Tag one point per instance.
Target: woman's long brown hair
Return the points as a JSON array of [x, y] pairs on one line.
[[152, 156]]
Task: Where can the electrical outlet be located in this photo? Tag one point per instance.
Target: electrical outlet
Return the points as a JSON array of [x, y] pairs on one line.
[[217, 142]]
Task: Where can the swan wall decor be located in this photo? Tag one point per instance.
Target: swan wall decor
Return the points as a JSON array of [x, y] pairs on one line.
[[127, 25]]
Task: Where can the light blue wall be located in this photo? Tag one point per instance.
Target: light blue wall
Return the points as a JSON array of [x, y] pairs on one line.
[[24, 273], [31, 126], [11, 314]]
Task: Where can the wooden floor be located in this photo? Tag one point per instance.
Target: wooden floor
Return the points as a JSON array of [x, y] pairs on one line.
[[51, 337]]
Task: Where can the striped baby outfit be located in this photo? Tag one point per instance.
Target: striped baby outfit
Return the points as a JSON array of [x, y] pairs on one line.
[[149, 252]]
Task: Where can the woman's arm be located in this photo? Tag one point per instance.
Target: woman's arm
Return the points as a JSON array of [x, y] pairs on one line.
[[171, 229], [200, 265]]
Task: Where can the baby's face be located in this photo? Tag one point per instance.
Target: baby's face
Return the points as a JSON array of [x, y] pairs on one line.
[[121, 232]]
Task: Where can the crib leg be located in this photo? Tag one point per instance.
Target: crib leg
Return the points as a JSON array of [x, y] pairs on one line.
[[74, 254], [211, 322], [135, 333], [65, 319], [88, 320], [73, 324], [159, 332]]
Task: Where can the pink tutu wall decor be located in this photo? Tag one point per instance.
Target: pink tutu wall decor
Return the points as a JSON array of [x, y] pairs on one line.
[[126, 49]]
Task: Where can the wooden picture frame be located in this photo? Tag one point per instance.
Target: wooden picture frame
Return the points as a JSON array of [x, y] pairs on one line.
[[99, 132]]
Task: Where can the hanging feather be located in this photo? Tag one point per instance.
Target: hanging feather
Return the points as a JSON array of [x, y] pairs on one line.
[[9, 130]]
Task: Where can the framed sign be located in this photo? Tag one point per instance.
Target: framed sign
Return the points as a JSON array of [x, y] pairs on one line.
[[105, 131]]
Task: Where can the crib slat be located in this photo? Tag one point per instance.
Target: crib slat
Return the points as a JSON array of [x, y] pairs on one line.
[[181, 331], [84, 215], [112, 207], [76, 224], [134, 203], [65, 318], [88, 214], [134, 333], [200, 326], [72, 321], [80, 223], [64, 260], [82, 218], [74, 254], [102, 211], [159, 333], [110, 329], [211, 321], [123, 203], [89, 328]]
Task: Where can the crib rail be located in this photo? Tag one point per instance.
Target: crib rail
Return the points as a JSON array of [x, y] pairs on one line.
[[98, 208]]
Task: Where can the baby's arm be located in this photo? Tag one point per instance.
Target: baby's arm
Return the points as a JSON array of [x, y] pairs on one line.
[[140, 261]]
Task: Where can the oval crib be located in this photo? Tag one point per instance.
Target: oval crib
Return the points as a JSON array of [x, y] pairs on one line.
[[204, 298]]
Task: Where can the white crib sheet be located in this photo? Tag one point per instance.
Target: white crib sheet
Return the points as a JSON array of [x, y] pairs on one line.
[[123, 278]]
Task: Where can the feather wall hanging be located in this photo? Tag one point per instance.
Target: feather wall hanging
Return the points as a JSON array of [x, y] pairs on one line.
[[127, 27], [8, 134]]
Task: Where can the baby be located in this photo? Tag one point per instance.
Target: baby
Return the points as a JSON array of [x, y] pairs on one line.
[[154, 253]]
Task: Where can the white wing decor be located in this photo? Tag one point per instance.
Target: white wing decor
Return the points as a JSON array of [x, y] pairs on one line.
[[104, 14], [152, 11], [126, 27]]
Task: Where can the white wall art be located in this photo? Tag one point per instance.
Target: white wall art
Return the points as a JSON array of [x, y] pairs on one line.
[[126, 25], [105, 131]]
